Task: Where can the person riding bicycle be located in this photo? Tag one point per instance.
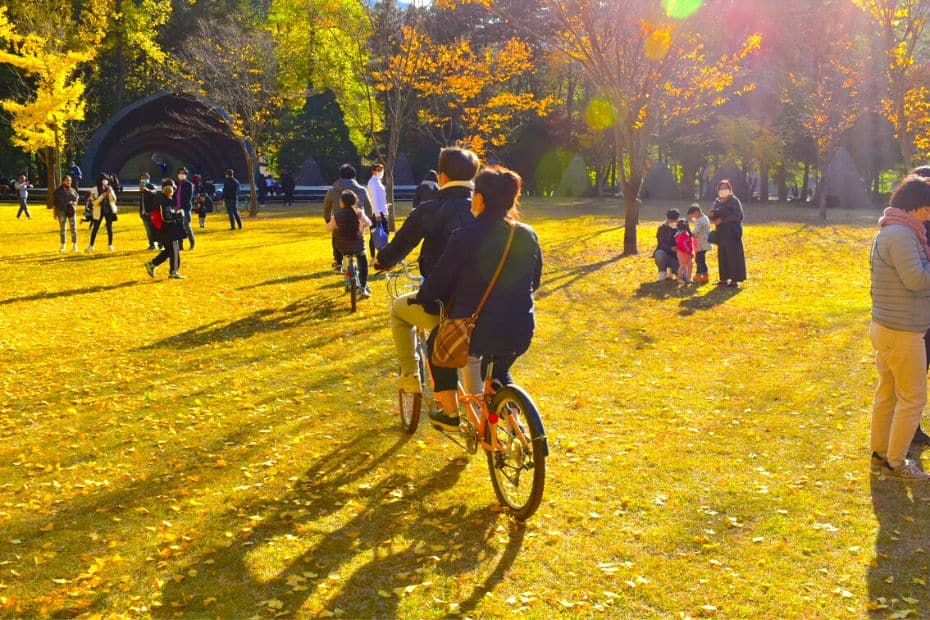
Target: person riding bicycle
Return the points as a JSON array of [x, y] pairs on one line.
[[460, 278], [346, 181], [348, 225], [433, 223]]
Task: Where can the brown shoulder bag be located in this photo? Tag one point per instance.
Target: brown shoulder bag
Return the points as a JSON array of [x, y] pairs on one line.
[[453, 338]]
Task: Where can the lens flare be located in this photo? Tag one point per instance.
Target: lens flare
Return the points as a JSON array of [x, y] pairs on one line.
[[658, 43], [600, 114], [681, 9]]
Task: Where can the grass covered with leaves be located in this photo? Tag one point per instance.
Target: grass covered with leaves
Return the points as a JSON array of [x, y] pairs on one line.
[[227, 445]]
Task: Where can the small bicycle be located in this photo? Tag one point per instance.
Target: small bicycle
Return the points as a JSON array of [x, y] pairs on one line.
[[402, 282], [350, 274]]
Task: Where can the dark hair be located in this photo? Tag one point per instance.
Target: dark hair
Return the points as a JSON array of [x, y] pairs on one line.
[[912, 194], [725, 182], [694, 209], [458, 164], [170, 182], [500, 189], [672, 214], [347, 171], [431, 176], [182, 169], [922, 171], [229, 172], [377, 168], [348, 198], [100, 179], [683, 225]]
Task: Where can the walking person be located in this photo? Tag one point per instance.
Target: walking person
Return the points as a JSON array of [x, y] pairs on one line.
[[202, 207], [900, 289], [65, 200], [463, 281], [22, 186], [346, 181], [231, 199], [701, 243], [169, 221], [920, 437], [727, 214], [184, 199], [379, 207], [103, 209], [148, 194], [287, 186]]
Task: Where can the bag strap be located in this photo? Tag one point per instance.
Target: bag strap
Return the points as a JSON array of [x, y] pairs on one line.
[[500, 267]]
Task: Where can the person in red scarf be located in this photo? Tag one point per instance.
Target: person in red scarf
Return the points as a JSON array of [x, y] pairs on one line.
[[900, 289]]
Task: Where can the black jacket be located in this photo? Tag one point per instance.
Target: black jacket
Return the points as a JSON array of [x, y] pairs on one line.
[[665, 237], [433, 223], [427, 190], [230, 191], [186, 190], [506, 322], [729, 211], [348, 237], [148, 195]]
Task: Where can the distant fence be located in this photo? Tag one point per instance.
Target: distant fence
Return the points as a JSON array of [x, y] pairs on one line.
[[302, 193]]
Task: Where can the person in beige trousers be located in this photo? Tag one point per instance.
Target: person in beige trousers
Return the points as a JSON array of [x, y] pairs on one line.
[[900, 289]]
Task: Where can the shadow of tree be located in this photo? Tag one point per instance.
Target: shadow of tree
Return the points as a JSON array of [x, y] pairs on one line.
[[566, 278], [90, 290], [899, 569], [289, 280]]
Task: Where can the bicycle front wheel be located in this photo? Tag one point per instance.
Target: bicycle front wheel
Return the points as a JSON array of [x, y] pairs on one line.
[[518, 467], [410, 405]]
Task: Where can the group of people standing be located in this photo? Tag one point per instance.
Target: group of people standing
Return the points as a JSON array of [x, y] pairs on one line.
[[679, 247]]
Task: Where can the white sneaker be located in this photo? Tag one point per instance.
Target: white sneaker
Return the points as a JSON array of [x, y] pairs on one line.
[[63, 248], [90, 248], [111, 248], [76, 248], [663, 275]]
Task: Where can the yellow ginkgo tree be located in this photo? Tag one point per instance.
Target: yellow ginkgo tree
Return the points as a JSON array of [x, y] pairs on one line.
[[49, 53]]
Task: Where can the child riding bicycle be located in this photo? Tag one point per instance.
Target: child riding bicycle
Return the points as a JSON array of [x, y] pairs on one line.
[[348, 225]]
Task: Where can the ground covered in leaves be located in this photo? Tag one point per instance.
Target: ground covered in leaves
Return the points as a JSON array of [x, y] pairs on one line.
[[227, 445]]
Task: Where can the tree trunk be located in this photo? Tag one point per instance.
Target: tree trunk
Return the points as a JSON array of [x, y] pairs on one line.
[[806, 183], [630, 186], [686, 185], [763, 182], [250, 162], [49, 177], [389, 162], [781, 179], [821, 197]]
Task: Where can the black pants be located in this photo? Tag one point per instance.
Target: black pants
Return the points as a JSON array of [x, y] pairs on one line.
[[23, 208], [383, 224], [337, 255], [232, 210], [701, 258], [447, 379], [170, 253], [96, 229], [730, 254]]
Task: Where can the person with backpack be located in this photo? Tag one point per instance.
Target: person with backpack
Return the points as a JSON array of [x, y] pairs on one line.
[[168, 220], [332, 202], [433, 223]]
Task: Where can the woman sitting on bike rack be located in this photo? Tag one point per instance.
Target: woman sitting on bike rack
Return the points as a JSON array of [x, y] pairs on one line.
[[348, 225], [506, 323]]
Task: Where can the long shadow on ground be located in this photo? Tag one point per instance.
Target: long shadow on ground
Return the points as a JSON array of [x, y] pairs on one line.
[[90, 290]]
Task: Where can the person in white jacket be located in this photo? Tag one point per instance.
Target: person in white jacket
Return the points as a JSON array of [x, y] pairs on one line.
[[700, 233], [22, 186], [380, 206]]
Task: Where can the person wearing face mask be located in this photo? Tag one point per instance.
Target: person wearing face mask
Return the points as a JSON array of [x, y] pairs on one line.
[[184, 201], [148, 194], [462, 278], [168, 220], [102, 200], [727, 214], [379, 206], [665, 256], [701, 232], [900, 290]]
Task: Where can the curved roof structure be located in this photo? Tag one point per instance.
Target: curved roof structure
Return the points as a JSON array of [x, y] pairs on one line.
[[155, 125]]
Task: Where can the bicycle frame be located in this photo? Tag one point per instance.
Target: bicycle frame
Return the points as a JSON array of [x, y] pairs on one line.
[[486, 418]]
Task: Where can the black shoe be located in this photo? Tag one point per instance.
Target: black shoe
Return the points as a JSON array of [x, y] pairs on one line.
[[920, 438], [442, 422]]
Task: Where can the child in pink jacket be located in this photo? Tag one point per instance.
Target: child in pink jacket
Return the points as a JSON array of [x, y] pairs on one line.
[[684, 247]]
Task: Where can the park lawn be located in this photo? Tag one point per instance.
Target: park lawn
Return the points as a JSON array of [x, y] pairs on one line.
[[227, 445]]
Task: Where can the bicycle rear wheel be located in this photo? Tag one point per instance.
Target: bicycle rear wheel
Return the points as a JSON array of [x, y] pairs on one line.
[[353, 282], [518, 469], [410, 405]]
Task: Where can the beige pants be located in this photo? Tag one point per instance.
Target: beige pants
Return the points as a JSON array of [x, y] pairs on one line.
[[901, 360]]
